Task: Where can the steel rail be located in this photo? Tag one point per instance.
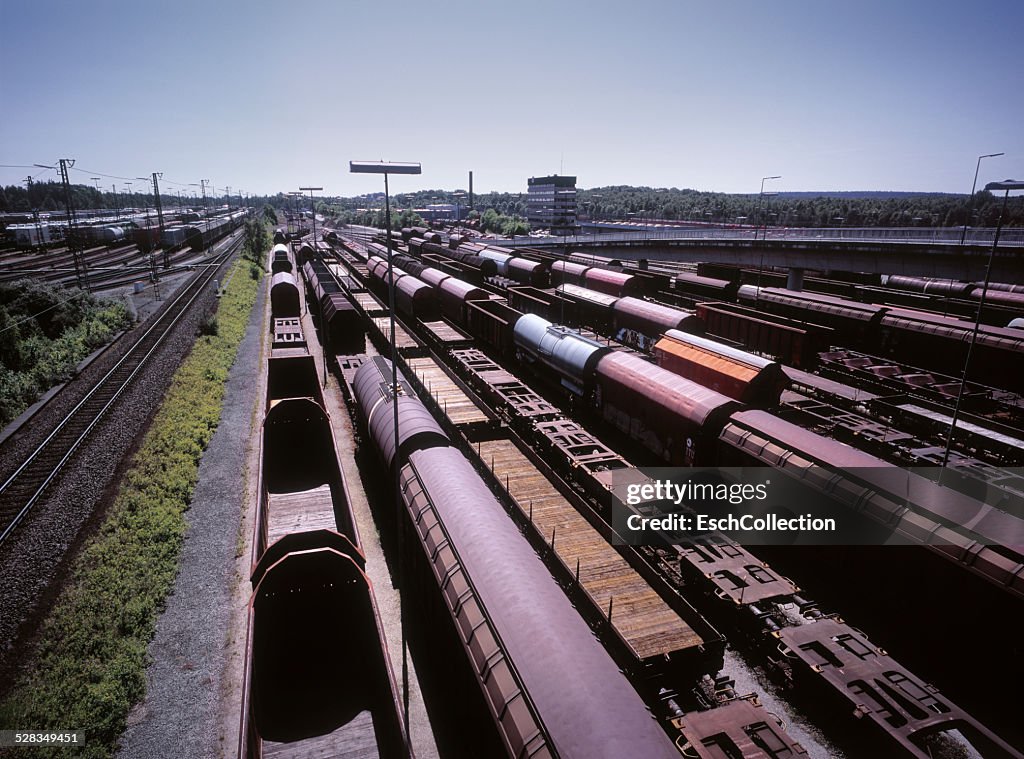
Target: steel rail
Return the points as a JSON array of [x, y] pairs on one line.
[[159, 331]]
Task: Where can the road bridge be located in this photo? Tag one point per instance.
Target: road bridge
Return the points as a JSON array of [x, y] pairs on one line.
[[917, 258]]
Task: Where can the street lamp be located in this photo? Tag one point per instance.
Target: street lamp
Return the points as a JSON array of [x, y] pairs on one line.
[[760, 197], [970, 200], [312, 208], [760, 268], [386, 168], [458, 195], [293, 216], [1005, 186]]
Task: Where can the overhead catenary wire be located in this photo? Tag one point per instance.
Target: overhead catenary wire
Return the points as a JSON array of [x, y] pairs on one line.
[[79, 294]]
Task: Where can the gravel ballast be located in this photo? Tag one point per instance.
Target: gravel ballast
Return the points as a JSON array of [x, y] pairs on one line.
[[36, 557]]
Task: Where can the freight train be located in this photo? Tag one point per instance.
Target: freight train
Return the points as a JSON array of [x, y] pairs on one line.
[[317, 675], [549, 687], [823, 656], [768, 316], [682, 423]]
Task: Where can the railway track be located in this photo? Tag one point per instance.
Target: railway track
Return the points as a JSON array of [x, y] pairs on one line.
[[27, 485]]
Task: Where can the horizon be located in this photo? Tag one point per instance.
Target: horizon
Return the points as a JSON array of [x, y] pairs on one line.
[[868, 98]]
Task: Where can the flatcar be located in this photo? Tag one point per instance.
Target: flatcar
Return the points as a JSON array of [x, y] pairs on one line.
[[549, 700]]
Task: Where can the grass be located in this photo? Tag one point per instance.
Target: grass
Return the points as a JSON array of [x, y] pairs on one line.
[[45, 331], [90, 665]]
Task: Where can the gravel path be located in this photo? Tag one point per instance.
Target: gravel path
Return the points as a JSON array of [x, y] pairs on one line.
[[182, 714]]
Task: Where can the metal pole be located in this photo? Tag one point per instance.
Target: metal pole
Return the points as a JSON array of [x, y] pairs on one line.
[[970, 200], [399, 523], [974, 334]]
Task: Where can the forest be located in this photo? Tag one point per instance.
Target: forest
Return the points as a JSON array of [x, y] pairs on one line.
[[618, 202]]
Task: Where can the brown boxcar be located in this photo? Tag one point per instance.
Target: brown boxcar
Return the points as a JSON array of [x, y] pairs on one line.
[[674, 418], [639, 322], [493, 322], [284, 296], [792, 342], [740, 375]]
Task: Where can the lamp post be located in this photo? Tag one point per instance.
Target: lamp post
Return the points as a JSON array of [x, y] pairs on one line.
[[458, 195], [386, 168], [312, 208], [970, 200], [1005, 186], [291, 217], [760, 268]]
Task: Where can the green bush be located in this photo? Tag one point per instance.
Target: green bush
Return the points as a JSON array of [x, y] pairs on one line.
[[45, 332]]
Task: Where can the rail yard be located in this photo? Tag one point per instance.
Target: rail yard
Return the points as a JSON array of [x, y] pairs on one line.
[[527, 383], [491, 423]]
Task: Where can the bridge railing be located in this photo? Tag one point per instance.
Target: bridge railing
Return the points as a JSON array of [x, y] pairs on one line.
[[944, 235]]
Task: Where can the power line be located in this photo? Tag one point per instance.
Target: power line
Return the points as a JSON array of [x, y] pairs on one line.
[[79, 294]]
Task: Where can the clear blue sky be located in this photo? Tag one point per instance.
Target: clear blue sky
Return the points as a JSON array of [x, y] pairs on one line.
[[268, 96]]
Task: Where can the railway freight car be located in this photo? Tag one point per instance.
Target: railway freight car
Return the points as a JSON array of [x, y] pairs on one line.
[[940, 343], [671, 416], [280, 259], [284, 295], [530, 677], [639, 322], [317, 677], [204, 234], [341, 328], [790, 341], [412, 296], [740, 375], [485, 266], [566, 352]]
